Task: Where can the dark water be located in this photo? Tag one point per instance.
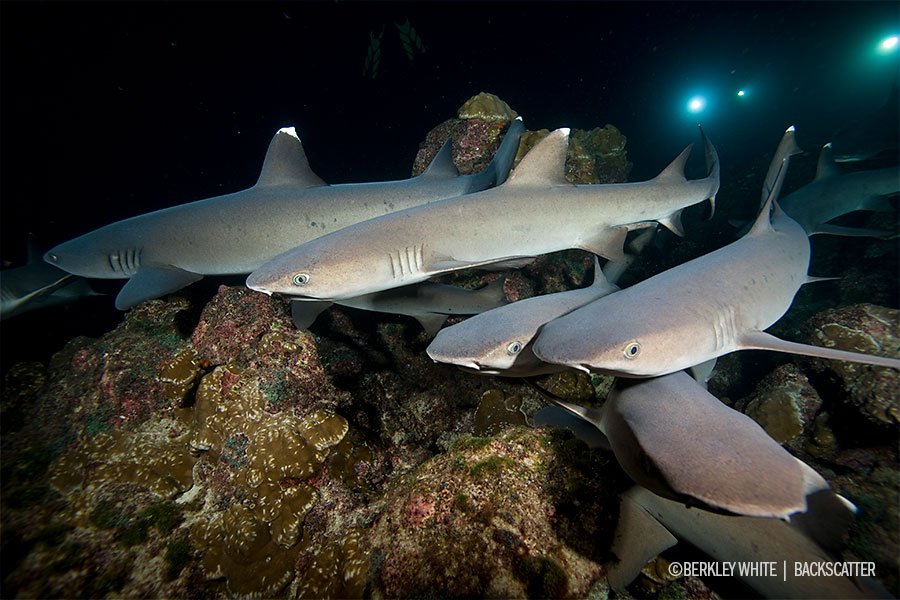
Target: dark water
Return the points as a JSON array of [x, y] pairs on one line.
[[115, 109]]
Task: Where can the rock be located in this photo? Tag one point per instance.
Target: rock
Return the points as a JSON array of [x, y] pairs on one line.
[[869, 329]]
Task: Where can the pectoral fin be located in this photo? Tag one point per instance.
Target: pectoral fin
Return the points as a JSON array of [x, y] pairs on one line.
[[608, 243], [760, 340], [431, 322], [638, 538], [153, 281], [304, 313], [829, 229]]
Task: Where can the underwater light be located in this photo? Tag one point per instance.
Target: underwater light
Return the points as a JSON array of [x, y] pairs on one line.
[[741, 93], [888, 45], [696, 104]]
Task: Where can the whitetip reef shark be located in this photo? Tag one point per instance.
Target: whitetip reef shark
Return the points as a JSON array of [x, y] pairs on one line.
[[38, 285], [428, 302], [833, 193], [693, 458], [536, 211], [710, 306], [165, 250], [648, 524], [676, 439], [498, 342]]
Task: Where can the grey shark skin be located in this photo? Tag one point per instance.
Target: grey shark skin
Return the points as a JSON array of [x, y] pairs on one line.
[[498, 342], [708, 307], [429, 303], [534, 212], [38, 285], [166, 250], [787, 148], [676, 439], [648, 524], [833, 193]]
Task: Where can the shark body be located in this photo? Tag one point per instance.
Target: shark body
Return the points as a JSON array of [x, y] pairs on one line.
[[652, 427], [429, 303], [649, 524], [38, 285], [713, 305], [833, 193], [534, 212], [163, 251]]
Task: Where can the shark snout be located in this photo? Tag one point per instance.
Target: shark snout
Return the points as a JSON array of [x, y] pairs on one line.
[[256, 284]]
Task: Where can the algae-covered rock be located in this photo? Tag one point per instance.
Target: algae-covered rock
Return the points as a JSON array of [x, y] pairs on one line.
[[869, 329], [493, 517], [784, 403], [487, 107]]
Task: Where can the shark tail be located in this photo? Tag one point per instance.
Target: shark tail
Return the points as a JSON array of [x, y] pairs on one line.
[[712, 169], [506, 153]]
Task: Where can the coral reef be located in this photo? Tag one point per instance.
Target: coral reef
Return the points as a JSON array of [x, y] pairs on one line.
[[487, 107], [873, 330], [785, 404], [504, 501]]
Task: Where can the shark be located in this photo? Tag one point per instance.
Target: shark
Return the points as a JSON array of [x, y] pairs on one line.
[[38, 285], [429, 303], [498, 342], [648, 524], [697, 311], [536, 211], [833, 193], [712, 477], [165, 250], [652, 426]]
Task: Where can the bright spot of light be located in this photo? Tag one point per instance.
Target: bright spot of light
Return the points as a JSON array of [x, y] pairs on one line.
[[741, 93], [888, 45], [696, 104]]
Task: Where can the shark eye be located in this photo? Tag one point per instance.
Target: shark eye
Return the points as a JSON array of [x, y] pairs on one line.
[[53, 257], [632, 350], [514, 348], [300, 279]]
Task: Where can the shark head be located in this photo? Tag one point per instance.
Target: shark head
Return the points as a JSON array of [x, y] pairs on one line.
[[469, 345], [323, 270], [633, 347], [101, 254]]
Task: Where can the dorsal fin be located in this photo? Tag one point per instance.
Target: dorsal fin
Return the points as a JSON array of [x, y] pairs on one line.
[[286, 162], [826, 166], [545, 163], [600, 280], [787, 147], [675, 170], [441, 166], [763, 222]]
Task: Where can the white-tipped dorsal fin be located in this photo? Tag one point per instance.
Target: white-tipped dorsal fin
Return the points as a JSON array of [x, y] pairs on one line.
[[545, 164], [441, 166], [675, 170], [787, 148], [763, 222], [286, 162], [826, 166]]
